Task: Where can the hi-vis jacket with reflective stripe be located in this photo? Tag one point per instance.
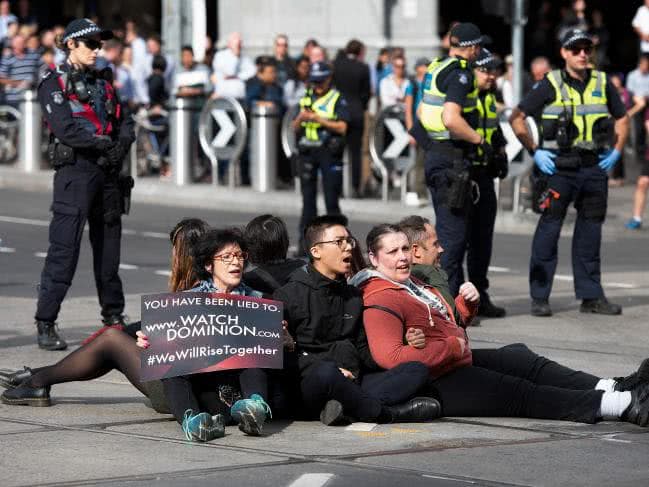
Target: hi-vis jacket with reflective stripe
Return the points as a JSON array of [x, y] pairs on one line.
[[487, 120], [584, 109], [432, 104], [325, 107]]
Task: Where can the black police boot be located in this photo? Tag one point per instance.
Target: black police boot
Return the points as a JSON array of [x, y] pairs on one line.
[[488, 309], [25, 395], [114, 320], [600, 306], [638, 410], [541, 307], [9, 380], [48, 336], [635, 380], [417, 410], [332, 414]]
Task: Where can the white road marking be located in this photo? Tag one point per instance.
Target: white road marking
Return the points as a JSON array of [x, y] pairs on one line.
[[155, 235], [163, 273], [312, 480], [128, 267], [360, 427], [7, 250], [494, 268], [24, 221], [562, 277], [619, 284], [128, 231], [41, 255], [446, 478]]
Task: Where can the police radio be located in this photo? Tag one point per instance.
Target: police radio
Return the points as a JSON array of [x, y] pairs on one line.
[[79, 86]]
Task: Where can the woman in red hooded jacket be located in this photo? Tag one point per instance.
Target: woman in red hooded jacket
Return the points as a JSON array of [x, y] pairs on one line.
[[509, 381]]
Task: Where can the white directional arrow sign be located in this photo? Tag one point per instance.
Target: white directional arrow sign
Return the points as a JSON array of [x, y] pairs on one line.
[[227, 128], [400, 141]]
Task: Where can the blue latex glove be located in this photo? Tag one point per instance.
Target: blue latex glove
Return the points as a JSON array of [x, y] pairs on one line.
[[544, 160], [609, 159]]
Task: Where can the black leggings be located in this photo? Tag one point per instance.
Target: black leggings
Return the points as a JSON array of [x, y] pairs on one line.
[[365, 402], [514, 381]]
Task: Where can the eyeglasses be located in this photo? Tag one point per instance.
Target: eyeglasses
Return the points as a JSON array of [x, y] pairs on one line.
[[577, 49], [91, 44], [340, 242], [229, 257]]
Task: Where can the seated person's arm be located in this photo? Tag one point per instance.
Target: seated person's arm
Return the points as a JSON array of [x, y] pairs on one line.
[[467, 302]]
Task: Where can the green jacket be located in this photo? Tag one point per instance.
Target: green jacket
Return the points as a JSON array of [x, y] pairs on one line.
[[437, 278]]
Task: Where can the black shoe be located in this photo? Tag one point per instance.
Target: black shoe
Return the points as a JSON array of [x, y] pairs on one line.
[[114, 320], [417, 410], [25, 395], [600, 306], [332, 414], [10, 380], [635, 380], [638, 410], [488, 309], [48, 336], [541, 307]]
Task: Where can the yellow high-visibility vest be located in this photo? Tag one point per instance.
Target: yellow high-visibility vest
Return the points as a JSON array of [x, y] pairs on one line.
[[324, 107]]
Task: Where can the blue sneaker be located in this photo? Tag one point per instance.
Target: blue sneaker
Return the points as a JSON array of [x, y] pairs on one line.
[[251, 414], [203, 427], [633, 224]]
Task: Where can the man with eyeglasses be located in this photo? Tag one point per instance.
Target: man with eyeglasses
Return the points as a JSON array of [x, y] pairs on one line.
[[320, 126], [89, 137], [584, 127]]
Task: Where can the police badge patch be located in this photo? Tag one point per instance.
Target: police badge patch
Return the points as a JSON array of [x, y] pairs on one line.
[[463, 79], [57, 97]]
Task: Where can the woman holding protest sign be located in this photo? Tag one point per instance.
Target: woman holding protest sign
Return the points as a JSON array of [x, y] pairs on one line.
[[219, 258], [115, 349]]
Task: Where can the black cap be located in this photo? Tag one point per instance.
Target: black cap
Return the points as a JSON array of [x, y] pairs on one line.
[[319, 71], [80, 28], [487, 60], [575, 36], [466, 34]]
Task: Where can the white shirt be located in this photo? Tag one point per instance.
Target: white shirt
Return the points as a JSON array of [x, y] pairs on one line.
[[391, 92], [641, 22], [197, 76], [638, 83], [231, 73], [139, 70]]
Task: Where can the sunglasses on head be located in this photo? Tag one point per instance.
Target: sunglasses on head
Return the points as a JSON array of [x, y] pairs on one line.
[[91, 44], [577, 49]]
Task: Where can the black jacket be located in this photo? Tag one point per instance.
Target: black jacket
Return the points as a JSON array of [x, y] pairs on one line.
[[325, 318], [352, 79], [268, 277]]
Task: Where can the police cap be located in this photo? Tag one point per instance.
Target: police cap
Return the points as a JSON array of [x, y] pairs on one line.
[[487, 60], [466, 34], [80, 28], [574, 37], [319, 71]]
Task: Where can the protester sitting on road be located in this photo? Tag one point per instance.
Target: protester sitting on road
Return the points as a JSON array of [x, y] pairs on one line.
[[219, 257], [509, 381], [112, 348], [268, 267], [337, 376]]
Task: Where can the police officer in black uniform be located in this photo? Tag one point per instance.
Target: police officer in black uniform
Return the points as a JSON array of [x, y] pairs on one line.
[[447, 119], [584, 127], [320, 126], [90, 136]]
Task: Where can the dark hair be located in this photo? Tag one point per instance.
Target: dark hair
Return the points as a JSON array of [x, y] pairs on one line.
[[184, 236], [211, 243], [414, 228], [354, 47], [314, 230], [377, 232], [188, 48], [264, 60], [159, 63], [267, 239], [301, 59], [155, 38]]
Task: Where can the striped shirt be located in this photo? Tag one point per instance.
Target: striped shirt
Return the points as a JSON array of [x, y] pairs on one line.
[[21, 68]]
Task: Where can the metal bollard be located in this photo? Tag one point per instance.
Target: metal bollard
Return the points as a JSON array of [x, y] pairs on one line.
[[264, 137], [29, 141], [180, 140]]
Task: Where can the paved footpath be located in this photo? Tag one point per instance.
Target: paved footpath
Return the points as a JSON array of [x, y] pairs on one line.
[[102, 433]]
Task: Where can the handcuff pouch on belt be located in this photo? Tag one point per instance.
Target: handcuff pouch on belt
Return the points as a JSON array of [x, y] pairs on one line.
[[459, 183], [59, 154]]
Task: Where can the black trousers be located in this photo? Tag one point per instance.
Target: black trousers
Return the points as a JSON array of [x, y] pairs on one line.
[[83, 193], [513, 381], [324, 381], [354, 137], [331, 169]]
